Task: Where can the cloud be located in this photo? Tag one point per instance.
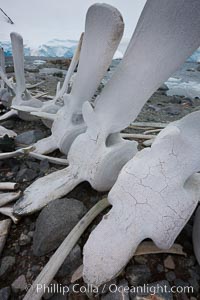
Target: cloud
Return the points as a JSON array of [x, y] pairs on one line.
[[41, 20]]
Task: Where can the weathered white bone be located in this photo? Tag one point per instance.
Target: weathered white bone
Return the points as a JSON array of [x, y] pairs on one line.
[[8, 186], [19, 152], [4, 230], [6, 84], [196, 235], [50, 108], [54, 160], [8, 211], [100, 41], [4, 131], [2, 64], [154, 197], [105, 152], [9, 114], [6, 198]]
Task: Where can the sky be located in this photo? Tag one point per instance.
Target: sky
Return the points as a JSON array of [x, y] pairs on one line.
[[39, 21]]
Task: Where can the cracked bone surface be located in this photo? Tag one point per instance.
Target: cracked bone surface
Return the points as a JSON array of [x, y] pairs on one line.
[[158, 185], [51, 107], [103, 31], [105, 152], [153, 197]]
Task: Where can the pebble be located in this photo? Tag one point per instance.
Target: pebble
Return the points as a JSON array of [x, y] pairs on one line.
[[170, 276], [25, 175], [140, 259], [138, 274], [71, 263], [172, 110], [29, 137], [24, 239], [160, 268], [160, 291], [119, 292], [5, 293], [54, 223], [7, 264], [51, 291], [169, 263], [19, 284]]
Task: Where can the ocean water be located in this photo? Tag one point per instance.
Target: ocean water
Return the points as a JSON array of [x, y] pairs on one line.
[[186, 81]]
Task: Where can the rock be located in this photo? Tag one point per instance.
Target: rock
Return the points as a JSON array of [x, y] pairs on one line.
[[104, 288], [140, 259], [170, 276], [24, 239], [25, 175], [7, 264], [176, 100], [173, 110], [198, 68], [35, 269], [59, 297], [29, 137], [138, 274], [163, 87], [118, 292], [194, 280], [5, 293], [181, 283], [9, 124], [31, 69], [156, 291], [19, 284], [44, 166], [160, 268], [10, 69], [54, 223], [71, 263], [169, 263], [50, 291]]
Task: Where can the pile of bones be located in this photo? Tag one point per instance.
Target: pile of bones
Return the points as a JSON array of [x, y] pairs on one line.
[[153, 192]]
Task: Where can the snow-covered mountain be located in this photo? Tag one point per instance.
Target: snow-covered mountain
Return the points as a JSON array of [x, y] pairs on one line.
[[65, 48], [53, 48]]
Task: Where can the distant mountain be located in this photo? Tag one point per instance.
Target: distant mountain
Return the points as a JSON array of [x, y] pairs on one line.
[[53, 48], [65, 48], [195, 56]]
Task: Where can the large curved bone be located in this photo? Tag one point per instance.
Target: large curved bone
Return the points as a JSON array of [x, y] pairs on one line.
[[98, 155], [196, 235], [2, 64], [154, 197], [8, 211], [103, 31], [50, 108], [6, 85], [4, 230], [19, 90]]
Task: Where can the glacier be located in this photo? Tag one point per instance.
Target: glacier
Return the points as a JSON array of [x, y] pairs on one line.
[[66, 48]]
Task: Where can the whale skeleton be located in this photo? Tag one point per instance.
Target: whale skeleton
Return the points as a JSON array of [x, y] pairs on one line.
[[100, 42], [154, 197], [162, 40], [50, 108], [158, 190], [22, 102], [6, 85]]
